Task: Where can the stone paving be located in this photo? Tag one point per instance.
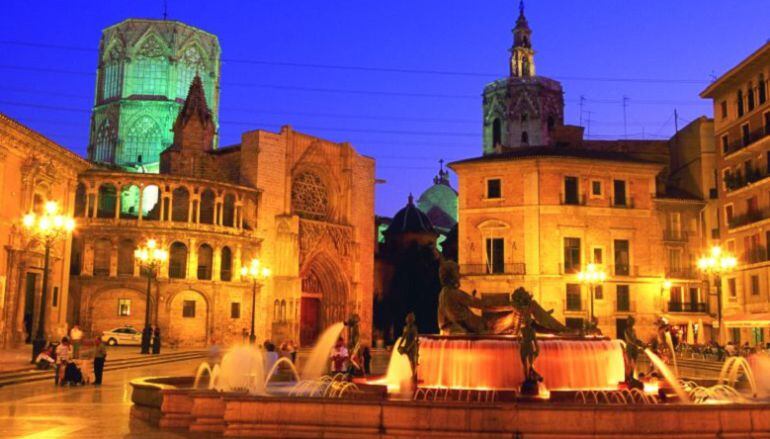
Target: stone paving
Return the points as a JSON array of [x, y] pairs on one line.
[[42, 410]]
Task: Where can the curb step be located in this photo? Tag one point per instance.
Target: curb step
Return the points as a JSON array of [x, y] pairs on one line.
[[125, 363]]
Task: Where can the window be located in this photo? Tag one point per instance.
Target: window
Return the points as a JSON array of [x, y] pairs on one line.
[[598, 292], [205, 261], [124, 307], [495, 253], [497, 132], [571, 195], [309, 196], [575, 323], [752, 206], [106, 140], [729, 214], [754, 285], [620, 192], [731, 287], [113, 75], [745, 134], [494, 188], [102, 251], [725, 144], [190, 64], [524, 138], [622, 257], [735, 335], [571, 255], [143, 142], [598, 255], [739, 102], [55, 298], [574, 301], [524, 117], [750, 96], [206, 210], [723, 105], [675, 224], [761, 90], [180, 204], [596, 188], [675, 260], [235, 310], [150, 68], [623, 298], [188, 308], [228, 211], [177, 261], [726, 177], [226, 265]]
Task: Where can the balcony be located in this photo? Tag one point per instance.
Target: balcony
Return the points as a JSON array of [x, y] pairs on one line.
[[517, 268], [745, 141], [622, 203], [682, 273], [748, 218], [572, 200], [675, 235], [624, 270], [755, 255], [691, 307], [625, 306], [744, 178]]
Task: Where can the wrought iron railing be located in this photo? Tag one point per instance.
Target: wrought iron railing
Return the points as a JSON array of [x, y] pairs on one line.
[[516, 268], [696, 307]]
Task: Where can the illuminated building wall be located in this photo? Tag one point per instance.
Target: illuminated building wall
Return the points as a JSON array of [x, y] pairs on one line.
[[144, 71]]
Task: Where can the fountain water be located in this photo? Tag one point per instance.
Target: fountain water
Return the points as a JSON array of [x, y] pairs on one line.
[[731, 370], [399, 375], [277, 364], [317, 362], [760, 367], [670, 344], [668, 375]]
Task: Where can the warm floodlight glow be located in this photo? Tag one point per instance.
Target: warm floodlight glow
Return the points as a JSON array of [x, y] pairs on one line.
[[592, 275]]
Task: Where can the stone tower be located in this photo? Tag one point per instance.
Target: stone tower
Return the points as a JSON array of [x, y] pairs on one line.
[[145, 69], [522, 109]]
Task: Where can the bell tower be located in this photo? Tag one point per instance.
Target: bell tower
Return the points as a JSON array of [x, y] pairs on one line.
[[522, 56]]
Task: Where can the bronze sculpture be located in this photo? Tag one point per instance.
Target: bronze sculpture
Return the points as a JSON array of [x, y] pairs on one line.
[[410, 344], [633, 346], [529, 350], [354, 342]]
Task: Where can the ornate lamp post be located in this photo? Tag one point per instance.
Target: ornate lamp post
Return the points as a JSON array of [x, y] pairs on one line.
[[150, 258], [48, 228], [256, 273], [592, 276], [717, 263]]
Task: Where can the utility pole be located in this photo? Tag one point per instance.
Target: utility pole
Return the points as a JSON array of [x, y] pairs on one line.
[[165, 10], [588, 124], [676, 121], [625, 119]]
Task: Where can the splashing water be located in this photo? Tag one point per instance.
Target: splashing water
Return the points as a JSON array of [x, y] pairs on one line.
[[242, 368], [319, 356], [399, 375], [670, 344], [729, 374], [760, 366], [668, 375], [277, 364]]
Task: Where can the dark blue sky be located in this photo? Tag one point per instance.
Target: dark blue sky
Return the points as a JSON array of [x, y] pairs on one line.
[[658, 53]]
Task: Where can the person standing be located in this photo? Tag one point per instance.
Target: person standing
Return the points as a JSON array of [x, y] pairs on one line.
[[339, 357], [63, 356], [292, 350], [100, 355], [367, 354], [156, 340], [76, 336]]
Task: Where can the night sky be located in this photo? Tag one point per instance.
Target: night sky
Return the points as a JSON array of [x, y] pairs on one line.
[[401, 80]]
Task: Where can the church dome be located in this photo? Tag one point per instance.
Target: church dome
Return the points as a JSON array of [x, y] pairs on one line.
[[410, 219], [439, 202]]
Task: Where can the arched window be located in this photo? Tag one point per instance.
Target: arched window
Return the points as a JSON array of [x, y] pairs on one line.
[[143, 142], [80, 200], [150, 203], [497, 132], [226, 265], [750, 96], [191, 63], [180, 204], [126, 257], [37, 203], [177, 261], [112, 78], [283, 310], [276, 310], [208, 200], [129, 202], [108, 197], [106, 139], [739, 102], [102, 250], [762, 89], [524, 138], [309, 196], [205, 261], [150, 69], [228, 211]]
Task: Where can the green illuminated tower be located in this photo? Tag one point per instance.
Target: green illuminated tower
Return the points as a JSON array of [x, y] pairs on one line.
[[144, 72]]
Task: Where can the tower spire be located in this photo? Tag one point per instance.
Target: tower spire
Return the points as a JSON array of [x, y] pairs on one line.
[[522, 60]]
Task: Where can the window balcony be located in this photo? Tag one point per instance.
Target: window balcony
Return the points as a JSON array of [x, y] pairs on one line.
[[745, 141], [755, 255], [748, 218], [572, 200], [517, 268], [625, 306], [622, 203], [574, 303], [682, 273], [624, 270], [690, 307], [675, 235], [738, 180]]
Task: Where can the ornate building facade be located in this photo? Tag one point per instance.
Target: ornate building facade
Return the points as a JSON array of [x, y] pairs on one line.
[[144, 70], [302, 205], [33, 169]]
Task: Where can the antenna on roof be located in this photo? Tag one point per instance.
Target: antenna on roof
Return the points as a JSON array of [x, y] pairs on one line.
[[165, 10]]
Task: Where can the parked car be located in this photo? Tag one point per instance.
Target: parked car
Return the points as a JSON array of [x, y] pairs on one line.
[[126, 335]]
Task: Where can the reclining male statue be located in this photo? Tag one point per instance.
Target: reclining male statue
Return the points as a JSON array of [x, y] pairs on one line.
[[500, 313]]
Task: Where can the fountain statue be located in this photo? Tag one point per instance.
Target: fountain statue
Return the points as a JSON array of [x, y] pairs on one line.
[[409, 344], [633, 347], [354, 343], [529, 350], [501, 314]]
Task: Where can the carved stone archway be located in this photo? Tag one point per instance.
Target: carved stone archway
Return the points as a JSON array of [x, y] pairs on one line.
[[324, 297]]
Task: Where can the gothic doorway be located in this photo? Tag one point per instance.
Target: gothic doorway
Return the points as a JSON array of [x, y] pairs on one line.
[[29, 305], [324, 298]]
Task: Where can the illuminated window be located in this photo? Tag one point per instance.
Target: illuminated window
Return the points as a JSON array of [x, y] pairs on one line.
[[143, 142], [571, 255], [188, 308], [754, 285], [150, 75], [104, 149], [574, 300], [731, 290], [177, 261], [190, 64], [495, 255], [124, 307], [113, 76]]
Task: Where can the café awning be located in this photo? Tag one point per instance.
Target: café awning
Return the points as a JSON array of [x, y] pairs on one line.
[[748, 320]]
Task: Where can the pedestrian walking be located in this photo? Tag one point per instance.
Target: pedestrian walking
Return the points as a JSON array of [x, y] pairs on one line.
[[63, 357], [76, 337], [156, 340], [100, 356]]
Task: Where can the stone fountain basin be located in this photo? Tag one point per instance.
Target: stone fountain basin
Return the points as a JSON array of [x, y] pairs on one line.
[[170, 403]]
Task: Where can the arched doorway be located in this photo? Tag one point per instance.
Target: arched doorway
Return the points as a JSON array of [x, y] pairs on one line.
[[324, 298], [188, 319]]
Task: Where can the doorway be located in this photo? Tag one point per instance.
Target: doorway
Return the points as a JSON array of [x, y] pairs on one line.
[[29, 305], [309, 320]]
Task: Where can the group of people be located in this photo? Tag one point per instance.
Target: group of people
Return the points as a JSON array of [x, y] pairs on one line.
[[154, 337], [64, 357], [345, 362]]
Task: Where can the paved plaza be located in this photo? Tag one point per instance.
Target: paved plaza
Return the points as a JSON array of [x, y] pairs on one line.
[[42, 410]]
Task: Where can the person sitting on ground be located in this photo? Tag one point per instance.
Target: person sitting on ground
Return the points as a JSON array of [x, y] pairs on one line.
[[45, 360]]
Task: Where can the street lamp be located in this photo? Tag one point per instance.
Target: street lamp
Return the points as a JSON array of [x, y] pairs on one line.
[[256, 273], [48, 227], [717, 263], [150, 258], [592, 276]]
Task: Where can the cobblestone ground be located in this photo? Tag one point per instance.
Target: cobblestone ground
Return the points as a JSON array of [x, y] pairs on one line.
[[42, 410]]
